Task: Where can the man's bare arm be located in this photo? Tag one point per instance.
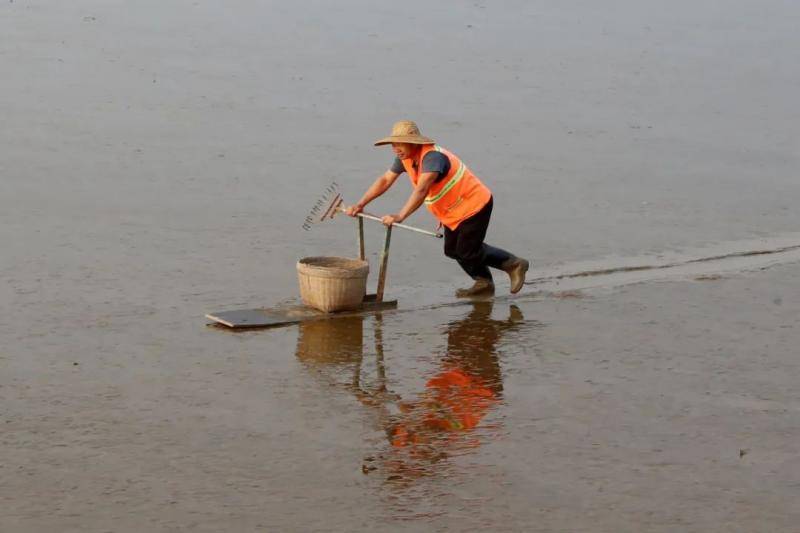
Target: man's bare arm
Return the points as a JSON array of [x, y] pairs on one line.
[[381, 185], [418, 195]]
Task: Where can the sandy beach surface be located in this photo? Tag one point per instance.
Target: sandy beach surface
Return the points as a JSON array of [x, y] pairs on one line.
[[157, 160]]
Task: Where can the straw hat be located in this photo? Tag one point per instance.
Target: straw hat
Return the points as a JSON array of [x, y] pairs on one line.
[[405, 131]]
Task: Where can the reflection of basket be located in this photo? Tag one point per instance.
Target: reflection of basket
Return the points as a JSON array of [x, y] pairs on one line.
[[324, 342], [332, 283]]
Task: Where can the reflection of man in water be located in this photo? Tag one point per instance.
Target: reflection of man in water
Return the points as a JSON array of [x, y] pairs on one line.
[[455, 400], [458, 396]]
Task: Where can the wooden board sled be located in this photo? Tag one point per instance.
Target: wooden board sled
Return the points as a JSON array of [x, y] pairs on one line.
[[285, 316]]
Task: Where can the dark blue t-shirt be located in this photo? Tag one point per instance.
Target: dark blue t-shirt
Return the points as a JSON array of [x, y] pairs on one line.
[[432, 162]]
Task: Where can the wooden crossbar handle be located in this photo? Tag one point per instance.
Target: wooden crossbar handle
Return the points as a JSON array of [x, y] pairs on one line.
[[396, 224]]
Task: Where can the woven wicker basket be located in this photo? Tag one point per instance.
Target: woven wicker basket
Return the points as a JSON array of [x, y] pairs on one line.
[[332, 283]]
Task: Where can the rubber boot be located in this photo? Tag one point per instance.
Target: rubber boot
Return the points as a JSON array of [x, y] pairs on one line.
[[516, 267], [482, 287]]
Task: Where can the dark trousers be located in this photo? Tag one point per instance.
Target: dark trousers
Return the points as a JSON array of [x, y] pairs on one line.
[[465, 245]]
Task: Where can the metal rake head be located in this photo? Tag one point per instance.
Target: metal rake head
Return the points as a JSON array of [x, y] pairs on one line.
[[325, 207]]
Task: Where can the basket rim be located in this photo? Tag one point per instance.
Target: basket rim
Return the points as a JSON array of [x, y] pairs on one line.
[[341, 267], [346, 263]]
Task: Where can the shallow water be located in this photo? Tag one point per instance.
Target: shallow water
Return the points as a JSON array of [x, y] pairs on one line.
[[158, 162]]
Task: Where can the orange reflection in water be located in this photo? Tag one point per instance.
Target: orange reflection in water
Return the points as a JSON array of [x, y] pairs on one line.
[[438, 422], [454, 401]]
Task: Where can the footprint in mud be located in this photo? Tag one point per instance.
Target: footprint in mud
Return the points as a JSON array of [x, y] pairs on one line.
[[563, 295], [708, 277]]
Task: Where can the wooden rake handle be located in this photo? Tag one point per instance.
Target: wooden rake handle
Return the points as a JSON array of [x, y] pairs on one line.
[[396, 224]]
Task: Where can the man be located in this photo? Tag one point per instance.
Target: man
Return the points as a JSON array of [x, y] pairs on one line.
[[456, 197]]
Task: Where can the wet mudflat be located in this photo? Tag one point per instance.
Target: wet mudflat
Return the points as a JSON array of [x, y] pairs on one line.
[[157, 163], [645, 408]]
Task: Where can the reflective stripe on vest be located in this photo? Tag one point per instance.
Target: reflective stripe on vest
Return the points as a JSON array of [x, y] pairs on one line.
[[457, 195], [450, 184]]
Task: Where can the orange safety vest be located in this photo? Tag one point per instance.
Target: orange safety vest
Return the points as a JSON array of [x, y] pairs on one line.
[[457, 196]]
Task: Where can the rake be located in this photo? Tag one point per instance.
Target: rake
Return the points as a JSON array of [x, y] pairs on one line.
[[332, 202]]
